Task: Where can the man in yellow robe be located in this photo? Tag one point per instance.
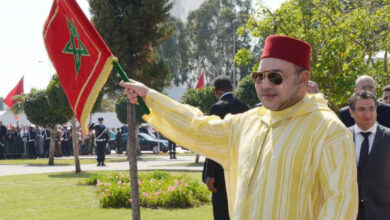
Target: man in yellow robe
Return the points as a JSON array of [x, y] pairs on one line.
[[290, 159]]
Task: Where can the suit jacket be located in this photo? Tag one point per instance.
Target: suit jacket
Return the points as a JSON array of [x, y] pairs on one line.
[[227, 104], [383, 112], [374, 179]]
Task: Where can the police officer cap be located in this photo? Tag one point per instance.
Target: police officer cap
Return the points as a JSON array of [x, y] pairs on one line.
[[100, 119]]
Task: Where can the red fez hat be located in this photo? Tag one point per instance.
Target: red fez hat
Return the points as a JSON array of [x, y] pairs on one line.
[[287, 48]]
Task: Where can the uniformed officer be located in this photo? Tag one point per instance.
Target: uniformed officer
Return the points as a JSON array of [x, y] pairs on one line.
[[172, 149], [66, 142], [101, 134], [46, 141], [31, 136]]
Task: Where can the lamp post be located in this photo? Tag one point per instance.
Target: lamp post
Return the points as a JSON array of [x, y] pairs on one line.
[[234, 52]]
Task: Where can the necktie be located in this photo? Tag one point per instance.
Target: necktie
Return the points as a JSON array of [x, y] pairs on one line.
[[364, 151]]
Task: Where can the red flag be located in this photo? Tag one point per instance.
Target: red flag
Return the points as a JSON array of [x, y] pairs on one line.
[[82, 59], [17, 90], [200, 83]]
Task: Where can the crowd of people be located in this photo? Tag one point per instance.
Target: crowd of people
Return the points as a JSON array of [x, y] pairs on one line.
[[34, 141]]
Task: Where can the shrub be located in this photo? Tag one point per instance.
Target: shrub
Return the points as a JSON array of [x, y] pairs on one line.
[[157, 189]]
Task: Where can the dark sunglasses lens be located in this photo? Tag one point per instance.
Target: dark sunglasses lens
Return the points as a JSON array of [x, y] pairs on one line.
[[275, 78], [257, 76]]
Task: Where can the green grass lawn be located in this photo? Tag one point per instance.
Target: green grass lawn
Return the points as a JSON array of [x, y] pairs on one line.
[[60, 196]]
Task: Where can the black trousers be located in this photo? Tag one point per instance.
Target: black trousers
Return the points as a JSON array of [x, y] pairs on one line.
[[31, 149], [220, 205], [100, 151], [46, 147]]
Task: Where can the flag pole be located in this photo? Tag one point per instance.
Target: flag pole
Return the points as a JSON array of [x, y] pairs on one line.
[[132, 147], [124, 77]]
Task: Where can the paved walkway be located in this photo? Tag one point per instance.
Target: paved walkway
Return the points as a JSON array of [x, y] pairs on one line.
[[148, 163]]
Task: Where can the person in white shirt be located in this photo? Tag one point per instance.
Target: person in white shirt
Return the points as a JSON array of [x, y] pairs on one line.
[[372, 142]]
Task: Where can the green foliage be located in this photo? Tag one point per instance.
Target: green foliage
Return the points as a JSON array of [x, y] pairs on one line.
[[132, 29], [207, 42], [121, 111], [38, 111], [246, 91], [157, 189], [58, 101], [202, 98], [345, 37]]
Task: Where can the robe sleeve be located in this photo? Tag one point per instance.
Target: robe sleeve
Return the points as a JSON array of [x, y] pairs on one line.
[[337, 175], [187, 126]]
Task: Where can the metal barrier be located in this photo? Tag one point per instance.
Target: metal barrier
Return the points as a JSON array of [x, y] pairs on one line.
[[15, 147]]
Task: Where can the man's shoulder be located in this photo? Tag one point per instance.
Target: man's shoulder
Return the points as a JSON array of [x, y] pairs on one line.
[[385, 130], [383, 106]]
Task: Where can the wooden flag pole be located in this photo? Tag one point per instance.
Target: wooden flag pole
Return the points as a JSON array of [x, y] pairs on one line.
[[132, 148]]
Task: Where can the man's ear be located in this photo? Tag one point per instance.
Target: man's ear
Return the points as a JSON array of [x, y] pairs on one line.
[[304, 78], [352, 113]]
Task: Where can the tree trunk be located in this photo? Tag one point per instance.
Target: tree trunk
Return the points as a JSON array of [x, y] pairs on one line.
[[132, 149], [197, 158], [53, 131], [75, 146]]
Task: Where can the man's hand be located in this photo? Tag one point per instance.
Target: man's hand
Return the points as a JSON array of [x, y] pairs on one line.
[[134, 89], [210, 184]]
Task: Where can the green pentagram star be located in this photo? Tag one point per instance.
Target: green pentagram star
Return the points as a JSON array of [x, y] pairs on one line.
[[71, 48]]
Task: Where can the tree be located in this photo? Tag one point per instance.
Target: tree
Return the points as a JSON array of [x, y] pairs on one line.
[[202, 98], [175, 53], [58, 104], [246, 91], [132, 29], [37, 109], [346, 37], [211, 33]]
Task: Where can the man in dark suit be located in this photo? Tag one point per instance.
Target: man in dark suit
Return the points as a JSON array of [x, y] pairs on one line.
[[372, 142], [383, 109], [386, 94], [213, 174]]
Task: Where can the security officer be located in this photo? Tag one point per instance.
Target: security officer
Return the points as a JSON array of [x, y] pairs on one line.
[[101, 134], [46, 139], [172, 149], [31, 136]]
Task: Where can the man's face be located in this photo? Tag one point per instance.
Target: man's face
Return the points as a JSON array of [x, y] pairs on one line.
[[366, 84], [364, 113], [290, 91], [386, 97]]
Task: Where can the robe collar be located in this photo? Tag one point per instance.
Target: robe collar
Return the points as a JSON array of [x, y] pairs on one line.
[[309, 103]]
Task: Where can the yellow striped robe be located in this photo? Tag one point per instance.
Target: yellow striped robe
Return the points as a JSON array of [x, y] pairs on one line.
[[297, 163]]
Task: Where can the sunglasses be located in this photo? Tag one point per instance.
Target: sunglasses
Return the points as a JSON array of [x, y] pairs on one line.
[[275, 77]]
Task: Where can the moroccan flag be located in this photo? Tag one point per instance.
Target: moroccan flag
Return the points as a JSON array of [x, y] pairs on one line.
[[17, 90], [82, 59], [200, 83]]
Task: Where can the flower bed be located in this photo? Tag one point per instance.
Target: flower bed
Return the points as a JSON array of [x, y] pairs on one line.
[[157, 189]]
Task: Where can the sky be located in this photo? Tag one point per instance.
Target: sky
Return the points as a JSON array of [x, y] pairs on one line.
[[22, 51]]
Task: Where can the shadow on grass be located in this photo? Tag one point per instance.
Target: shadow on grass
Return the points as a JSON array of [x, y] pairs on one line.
[[186, 164], [70, 175], [45, 165]]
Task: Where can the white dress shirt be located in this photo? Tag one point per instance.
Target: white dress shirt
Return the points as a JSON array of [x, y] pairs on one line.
[[359, 139]]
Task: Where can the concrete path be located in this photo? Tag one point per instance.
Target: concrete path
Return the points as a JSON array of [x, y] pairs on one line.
[[146, 163]]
